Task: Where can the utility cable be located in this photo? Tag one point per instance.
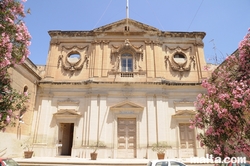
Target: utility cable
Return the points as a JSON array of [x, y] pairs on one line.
[[155, 15], [103, 14], [195, 15]]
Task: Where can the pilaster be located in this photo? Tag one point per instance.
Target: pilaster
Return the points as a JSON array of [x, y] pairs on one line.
[[151, 124], [105, 59], [149, 60], [97, 58]]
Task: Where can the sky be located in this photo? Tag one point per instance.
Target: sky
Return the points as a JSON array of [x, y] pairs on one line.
[[225, 22]]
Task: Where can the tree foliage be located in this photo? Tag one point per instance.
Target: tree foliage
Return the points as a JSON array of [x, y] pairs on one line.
[[223, 113], [14, 42]]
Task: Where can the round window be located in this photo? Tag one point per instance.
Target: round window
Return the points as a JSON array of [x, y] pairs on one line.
[[179, 58], [74, 58]]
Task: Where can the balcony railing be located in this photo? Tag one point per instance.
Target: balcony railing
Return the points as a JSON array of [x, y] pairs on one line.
[[127, 74]]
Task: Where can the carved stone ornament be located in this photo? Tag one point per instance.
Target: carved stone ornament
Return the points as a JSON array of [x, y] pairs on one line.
[[68, 101], [68, 104], [178, 48], [180, 64], [151, 42], [73, 64], [127, 47]]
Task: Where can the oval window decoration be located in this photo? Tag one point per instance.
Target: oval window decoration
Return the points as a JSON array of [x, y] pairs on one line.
[[74, 58], [180, 58]]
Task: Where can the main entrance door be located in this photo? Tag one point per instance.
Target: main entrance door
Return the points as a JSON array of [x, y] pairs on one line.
[[186, 140], [126, 138], [66, 138]]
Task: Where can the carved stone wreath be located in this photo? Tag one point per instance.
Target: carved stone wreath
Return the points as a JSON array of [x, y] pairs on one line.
[[180, 66]]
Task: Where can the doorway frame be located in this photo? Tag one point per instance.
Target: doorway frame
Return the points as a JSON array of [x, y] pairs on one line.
[[126, 109], [136, 134], [66, 116], [117, 115], [71, 139]]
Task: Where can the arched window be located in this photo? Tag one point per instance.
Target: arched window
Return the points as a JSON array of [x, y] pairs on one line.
[[25, 90], [126, 62]]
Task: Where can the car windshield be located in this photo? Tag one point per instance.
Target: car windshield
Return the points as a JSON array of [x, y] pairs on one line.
[[10, 162], [162, 163]]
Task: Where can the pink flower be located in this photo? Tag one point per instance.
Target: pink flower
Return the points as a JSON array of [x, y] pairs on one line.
[[7, 119], [201, 144], [191, 126], [25, 93], [236, 104], [206, 68]]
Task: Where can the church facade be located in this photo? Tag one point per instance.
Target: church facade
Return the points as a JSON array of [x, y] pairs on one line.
[[119, 89]]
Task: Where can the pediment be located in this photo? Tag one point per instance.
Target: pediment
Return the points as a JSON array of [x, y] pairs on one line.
[[67, 113], [127, 105], [184, 114], [134, 26]]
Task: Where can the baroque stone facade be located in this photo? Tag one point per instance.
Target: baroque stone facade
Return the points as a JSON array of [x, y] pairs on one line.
[[123, 86]]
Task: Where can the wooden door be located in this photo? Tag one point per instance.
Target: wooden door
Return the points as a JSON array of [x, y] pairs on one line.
[[67, 130], [187, 139], [126, 136]]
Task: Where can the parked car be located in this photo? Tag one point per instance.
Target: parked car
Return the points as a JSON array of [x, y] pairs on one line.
[[8, 162], [166, 162]]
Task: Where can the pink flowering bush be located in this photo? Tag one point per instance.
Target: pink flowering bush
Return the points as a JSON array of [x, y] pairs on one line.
[[224, 111], [14, 42]]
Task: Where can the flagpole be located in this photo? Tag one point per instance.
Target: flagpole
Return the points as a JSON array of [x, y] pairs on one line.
[[127, 13]]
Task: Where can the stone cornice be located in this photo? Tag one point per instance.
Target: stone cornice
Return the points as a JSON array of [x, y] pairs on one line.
[[59, 33], [29, 66], [183, 34], [88, 82], [32, 71]]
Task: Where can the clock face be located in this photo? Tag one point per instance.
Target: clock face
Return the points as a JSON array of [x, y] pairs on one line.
[[180, 58]]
